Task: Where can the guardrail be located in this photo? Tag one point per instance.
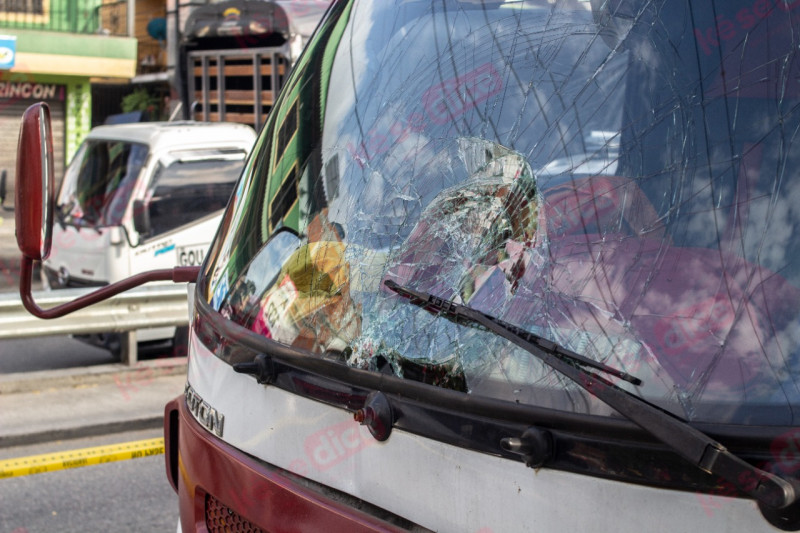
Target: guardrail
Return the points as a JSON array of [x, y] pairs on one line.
[[149, 306]]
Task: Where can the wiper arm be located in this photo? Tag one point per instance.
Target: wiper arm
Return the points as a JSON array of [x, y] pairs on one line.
[[456, 311], [691, 444]]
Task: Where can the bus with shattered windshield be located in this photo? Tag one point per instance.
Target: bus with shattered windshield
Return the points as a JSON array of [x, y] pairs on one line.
[[501, 266]]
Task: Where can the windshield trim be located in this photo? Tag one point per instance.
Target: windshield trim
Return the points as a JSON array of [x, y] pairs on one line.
[[220, 335]]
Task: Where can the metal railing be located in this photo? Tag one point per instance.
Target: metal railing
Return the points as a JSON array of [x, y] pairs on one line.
[[144, 307]]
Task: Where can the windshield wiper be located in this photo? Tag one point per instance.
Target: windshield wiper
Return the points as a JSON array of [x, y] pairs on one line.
[[691, 444], [454, 311]]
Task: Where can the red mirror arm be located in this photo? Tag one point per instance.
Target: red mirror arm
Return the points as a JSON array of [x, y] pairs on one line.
[[177, 275]]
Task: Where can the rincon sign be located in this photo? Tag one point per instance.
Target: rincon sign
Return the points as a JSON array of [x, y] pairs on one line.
[[30, 90]]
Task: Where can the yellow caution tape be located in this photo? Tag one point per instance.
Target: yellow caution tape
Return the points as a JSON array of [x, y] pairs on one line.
[[50, 462]]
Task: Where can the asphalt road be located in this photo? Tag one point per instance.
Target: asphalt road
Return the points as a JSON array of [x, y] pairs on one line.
[[49, 353], [55, 353], [131, 495]]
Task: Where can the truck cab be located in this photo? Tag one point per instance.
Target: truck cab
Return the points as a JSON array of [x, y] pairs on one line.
[[141, 196]]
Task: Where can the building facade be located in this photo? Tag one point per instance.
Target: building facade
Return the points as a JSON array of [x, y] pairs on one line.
[[53, 51]]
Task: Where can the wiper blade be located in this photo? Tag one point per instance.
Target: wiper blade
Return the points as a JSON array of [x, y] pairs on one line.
[[690, 443], [454, 310]]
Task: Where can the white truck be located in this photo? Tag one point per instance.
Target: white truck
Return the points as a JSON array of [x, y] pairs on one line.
[[142, 196]]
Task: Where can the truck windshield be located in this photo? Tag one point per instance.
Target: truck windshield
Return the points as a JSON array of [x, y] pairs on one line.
[[190, 184], [617, 176], [99, 182]]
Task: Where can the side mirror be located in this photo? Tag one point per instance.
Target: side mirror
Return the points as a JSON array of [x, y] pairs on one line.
[[34, 216], [34, 213], [141, 218]]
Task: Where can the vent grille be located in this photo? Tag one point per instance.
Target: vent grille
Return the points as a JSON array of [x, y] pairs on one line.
[[222, 519]]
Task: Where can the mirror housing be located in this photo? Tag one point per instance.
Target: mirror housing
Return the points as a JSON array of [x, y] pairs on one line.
[[141, 218], [35, 183]]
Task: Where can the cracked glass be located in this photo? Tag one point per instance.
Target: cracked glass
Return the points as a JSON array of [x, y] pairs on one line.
[[617, 176]]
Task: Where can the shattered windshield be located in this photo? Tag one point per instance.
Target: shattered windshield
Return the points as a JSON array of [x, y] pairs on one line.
[[99, 182], [616, 176]]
